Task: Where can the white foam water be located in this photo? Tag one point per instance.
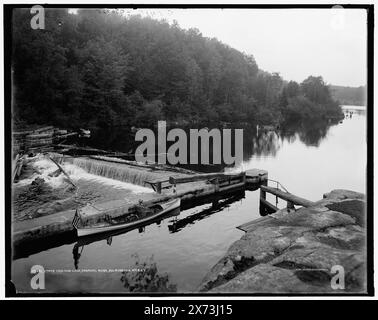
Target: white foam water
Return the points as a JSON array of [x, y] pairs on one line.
[[77, 173], [112, 170], [46, 167]]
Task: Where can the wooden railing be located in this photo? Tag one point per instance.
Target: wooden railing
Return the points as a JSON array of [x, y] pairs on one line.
[[291, 199]]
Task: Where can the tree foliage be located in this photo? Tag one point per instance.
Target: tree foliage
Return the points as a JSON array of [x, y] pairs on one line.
[[101, 68], [349, 95]]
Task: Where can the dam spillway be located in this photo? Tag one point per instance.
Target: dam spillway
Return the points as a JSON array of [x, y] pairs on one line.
[[116, 170], [187, 186]]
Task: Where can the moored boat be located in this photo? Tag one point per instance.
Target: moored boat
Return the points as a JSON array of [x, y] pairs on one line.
[[140, 217]]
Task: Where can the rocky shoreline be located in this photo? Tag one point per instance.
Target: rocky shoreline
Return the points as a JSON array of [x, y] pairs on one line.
[[298, 251]]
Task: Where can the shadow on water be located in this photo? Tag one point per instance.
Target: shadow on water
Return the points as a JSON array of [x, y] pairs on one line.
[[256, 142], [143, 276], [34, 246], [265, 209], [188, 233], [217, 205], [108, 236], [26, 249]]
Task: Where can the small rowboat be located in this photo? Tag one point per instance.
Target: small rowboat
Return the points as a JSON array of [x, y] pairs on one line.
[[142, 216]]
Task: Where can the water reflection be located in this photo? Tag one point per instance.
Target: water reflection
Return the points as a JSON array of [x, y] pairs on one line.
[[268, 142], [217, 205], [257, 141], [218, 202], [260, 142], [143, 276], [338, 162], [311, 134], [78, 248]]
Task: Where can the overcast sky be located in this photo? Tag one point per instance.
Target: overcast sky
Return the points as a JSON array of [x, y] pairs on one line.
[[294, 42]]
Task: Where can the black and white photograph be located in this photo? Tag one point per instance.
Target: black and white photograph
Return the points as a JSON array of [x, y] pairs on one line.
[[188, 150]]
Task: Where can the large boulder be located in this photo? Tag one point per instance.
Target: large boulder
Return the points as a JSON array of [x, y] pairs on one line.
[[259, 246], [265, 278], [305, 217], [355, 208], [297, 250], [342, 194], [306, 265]]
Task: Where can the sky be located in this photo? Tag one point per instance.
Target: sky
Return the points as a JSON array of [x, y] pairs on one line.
[[294, 42]]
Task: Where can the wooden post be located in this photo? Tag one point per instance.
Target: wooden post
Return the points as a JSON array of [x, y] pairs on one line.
[[15, 166], [244, 178], [262, 192], [64, 172], [19, 169], [262, 207], [158, 187], [216, 183], [290, 205]]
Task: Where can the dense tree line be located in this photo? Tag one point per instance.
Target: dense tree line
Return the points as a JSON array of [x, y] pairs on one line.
[[103, 68], [349, 95]]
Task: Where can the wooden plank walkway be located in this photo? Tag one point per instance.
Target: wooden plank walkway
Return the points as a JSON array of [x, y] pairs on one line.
[[269, 221]]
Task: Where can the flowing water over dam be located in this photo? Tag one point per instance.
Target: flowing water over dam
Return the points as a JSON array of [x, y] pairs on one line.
[[308, 160], [56, 193], [113, 170]]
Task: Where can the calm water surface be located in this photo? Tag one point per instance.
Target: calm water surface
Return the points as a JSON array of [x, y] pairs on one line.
[[308, 160]]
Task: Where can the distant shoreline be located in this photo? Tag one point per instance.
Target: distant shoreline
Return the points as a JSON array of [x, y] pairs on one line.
[[353, 107]]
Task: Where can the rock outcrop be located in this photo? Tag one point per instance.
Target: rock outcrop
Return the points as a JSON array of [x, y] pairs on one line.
[[299, 251]]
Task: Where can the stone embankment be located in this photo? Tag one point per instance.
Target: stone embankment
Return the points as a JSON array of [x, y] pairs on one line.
[[298, 251]]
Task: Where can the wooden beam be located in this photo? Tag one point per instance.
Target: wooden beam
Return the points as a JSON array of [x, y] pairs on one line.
[[67, 146], [48, 128], [200, 177], [64, 172], [15, 166], [288, 196], [65, 135]]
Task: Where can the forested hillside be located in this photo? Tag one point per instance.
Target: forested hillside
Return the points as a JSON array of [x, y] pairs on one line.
[[349, 95], [101, 68]]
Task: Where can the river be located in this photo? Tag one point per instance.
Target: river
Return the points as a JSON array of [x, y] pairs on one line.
[[308, 160]]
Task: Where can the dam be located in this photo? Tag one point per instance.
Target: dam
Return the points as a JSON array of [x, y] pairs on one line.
[[166, 182]]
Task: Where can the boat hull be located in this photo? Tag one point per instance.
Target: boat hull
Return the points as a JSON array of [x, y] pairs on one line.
[[167, 207]]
